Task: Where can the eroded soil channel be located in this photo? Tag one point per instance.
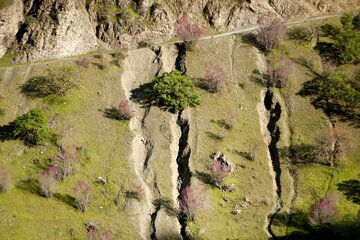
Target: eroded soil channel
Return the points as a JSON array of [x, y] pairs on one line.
[[184, 172], [274, 109]]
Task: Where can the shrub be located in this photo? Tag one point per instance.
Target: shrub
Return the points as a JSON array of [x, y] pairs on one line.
[[82, 195], [47, 183], [126, 110], [192, 200], [188, 32], [279, 72], [31, 127], [270, 34], [94, 233], [215, 78], [356, 22], [347, 21], [219, 171], [175, 91], [64, 163], [301, 34], [5, 179], [84, 62], [325, 210], [57, 82]]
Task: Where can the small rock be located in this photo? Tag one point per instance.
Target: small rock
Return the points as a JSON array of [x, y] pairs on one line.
[[101, 180], [222, 204], [202, 231], [244, 205], [236, 212], [246, 200], [226, 199]]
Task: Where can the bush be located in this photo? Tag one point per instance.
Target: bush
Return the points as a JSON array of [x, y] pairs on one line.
[[47, 183], [84, 62], [31, 127], [82, 195], [356, 22], [270, 34], [219, 171], [325, 210], [215, 78], [347, 21], [126, 110], [5, 179], [57, 82], [188, 32], [175, 91], [192, 200], [301, 34]]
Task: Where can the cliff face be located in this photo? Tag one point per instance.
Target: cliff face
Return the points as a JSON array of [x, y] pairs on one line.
[[59, 28]]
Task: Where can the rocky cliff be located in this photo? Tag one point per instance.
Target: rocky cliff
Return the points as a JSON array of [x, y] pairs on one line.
[[36, 30]]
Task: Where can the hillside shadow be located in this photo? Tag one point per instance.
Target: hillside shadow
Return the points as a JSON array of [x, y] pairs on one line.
[[351, 189], [66, 198]]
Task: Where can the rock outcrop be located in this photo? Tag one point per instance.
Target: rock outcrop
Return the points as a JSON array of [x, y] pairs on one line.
[[54, 29], [10, 18], [60, 28]]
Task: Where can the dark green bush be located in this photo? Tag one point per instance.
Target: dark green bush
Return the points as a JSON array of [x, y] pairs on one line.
[[57, 82], [301, 34], [175, 91], [31, 127]]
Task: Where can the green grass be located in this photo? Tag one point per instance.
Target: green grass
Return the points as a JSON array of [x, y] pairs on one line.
[[251, 178], [77, 119]]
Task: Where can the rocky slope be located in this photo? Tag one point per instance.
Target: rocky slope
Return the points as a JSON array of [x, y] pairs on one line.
[[38, 30]]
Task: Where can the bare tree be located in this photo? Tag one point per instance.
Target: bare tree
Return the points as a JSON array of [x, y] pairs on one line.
[[82, 195], [270, 33], [192, 200], [5, 179], [188, 32], [126, 110], [47, 183], [325, 210], [215, 77], [64, 163]]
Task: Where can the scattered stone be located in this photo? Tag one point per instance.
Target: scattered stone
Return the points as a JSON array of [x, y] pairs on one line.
[[101, 180], [202, 231], [226, 199], [222, 204], [244, 205], [247, 200], [236, 212]]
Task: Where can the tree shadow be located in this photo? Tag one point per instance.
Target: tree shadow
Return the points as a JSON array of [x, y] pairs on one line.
[[246, 155], [30, 185], [345, 229], [307, 64], [34, 87], [250, 38], [145, 96], [202, 84], [205, 178], [66, 198], [301, 154], [167, 205], [111, 113], [222, 123], [327, 51], [351, 189], [330, 107], [258, 78], [6, 132], [214, 136]]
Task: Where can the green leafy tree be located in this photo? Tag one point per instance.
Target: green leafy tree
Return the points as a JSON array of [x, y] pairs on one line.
[[356, 22], [348, 47], [31, 127], [347, 21], [175, 91]]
